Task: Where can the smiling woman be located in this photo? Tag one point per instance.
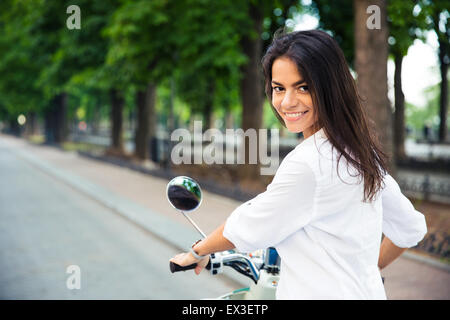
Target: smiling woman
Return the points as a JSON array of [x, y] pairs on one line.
[[306, 71], [331, 198]]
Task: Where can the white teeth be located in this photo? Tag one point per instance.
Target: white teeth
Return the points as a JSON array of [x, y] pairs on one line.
[[293, 115]]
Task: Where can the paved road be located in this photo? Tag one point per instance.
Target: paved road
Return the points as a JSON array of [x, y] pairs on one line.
[[407, 279], [45, 226]]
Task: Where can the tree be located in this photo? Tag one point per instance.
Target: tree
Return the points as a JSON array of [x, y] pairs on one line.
[[252, 82], [371, 53], [405, 25], [438, 15], [24, 44], [209, 55], [49, 31], [85, 51], [142, 49]]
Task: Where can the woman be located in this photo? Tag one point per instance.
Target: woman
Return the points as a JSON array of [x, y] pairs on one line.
[[331, 198]]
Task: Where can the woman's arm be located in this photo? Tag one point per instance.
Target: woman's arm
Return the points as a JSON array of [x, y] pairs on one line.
[[215, 242], [265, 220], [402, 223], [388, 253]]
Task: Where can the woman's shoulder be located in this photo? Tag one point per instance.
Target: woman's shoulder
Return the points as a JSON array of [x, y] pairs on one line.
[[302, 157], [313, 148], [319, 154]]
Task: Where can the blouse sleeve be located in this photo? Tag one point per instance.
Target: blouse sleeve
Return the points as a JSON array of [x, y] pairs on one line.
[[402, 224], [285, 207]]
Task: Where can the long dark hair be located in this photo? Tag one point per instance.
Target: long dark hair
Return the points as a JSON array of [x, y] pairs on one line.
[[338, 107]]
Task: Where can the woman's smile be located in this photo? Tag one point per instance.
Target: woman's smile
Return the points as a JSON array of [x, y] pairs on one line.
[[294, 116]]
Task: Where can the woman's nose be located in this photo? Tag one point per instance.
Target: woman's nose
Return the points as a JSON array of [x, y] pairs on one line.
[[289, 100]]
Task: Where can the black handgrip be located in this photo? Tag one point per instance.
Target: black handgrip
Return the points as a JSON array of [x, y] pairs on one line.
[[175, 267]]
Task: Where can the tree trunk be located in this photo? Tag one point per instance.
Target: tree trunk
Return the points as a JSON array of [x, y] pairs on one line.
[[207, 116], [13, 126], [228, 120], [61, 121], [443, 98], [95, 122], [141, 134], [55, 120], [371, 54], [60, 117], [117, 103], [209, 105], [145, 101], [399, 125], [171, 116], [31, 124], [49, 124], [251, 86], [150, 99]]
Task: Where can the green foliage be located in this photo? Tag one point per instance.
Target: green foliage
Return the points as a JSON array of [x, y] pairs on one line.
[[20, 57], [80, 55], [417, 117], [336, 17], [209, 54], [43, 58], [406, 24], [437, 15], [141, 42], [125, 44]]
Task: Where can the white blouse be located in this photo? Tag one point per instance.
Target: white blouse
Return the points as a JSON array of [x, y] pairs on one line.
[[327, 237]]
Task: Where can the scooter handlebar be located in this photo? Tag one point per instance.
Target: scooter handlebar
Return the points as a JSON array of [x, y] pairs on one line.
[[175, 267]]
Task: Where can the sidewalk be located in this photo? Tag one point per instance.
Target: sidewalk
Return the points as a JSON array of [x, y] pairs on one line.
[[142, 198]]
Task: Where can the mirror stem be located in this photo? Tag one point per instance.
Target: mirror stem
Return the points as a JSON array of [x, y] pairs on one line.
[[193, 223]]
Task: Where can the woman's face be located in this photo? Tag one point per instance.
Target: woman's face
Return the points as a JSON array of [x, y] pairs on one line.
[[291, 97]]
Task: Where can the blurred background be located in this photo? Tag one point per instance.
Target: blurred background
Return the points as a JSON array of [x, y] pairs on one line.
[[90, 95]]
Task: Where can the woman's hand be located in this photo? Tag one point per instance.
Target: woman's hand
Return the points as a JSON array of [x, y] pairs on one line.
[[186, 259], [215, 242]]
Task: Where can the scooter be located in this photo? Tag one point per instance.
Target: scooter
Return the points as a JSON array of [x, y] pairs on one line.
[[262, 266]]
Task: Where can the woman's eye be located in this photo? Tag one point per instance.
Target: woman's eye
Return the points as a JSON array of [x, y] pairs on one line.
[[303, 89], [277, 89]]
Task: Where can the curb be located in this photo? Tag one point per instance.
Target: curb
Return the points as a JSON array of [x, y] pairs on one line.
[[429, 261]]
